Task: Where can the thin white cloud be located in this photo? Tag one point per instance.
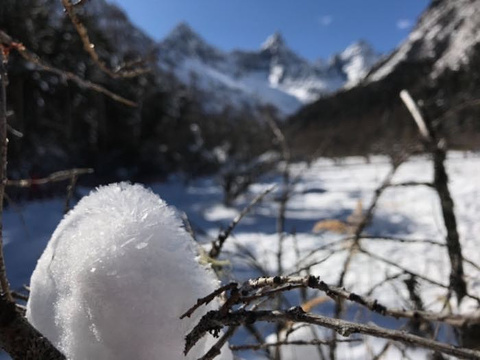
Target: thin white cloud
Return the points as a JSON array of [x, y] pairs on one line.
[[404, 24], [325, 20]]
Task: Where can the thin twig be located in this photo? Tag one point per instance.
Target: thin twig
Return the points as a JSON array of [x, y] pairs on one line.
[[366, 219], [299, 269], [70, 192], [314, 342], [90, 48], [215, 350], [67, 75], [319, 249], [360, 227], [54, 177], [208, 299], [19, 296], [460, 107], [383, 351], [223, 236], [407, 271], [412, 183], [399, 240], [5, 286], [8, 45], [382, 282]]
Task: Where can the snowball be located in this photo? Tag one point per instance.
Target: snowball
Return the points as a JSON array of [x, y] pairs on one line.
[[115, 277]]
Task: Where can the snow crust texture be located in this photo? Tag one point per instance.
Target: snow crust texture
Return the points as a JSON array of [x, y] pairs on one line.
[[115, 277]]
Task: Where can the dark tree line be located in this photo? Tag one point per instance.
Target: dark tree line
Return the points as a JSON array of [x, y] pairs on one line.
[[65, 126], [371, 119]]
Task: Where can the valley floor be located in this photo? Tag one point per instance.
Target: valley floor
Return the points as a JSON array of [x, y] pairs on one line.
[[326, 190]]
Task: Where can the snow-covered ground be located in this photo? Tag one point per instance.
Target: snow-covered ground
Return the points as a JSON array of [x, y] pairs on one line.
[[326, 190]]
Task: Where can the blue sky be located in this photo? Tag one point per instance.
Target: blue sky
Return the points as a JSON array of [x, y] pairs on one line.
[[313, 28]]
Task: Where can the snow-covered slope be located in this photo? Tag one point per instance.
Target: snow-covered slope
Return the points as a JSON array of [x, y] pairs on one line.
[[445, 34], [273, 75], [356, 60]]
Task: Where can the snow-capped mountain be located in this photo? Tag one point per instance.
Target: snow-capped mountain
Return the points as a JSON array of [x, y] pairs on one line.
[[273, 75], [437, 63], [356, 60], [445, 34]]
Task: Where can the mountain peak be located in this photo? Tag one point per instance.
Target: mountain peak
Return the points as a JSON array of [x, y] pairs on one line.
[[274, 42], [183, 42], [355, 61], [183, 31], [358, 48]]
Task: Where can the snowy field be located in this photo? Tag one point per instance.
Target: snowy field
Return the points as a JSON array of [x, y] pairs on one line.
[[325, 190]]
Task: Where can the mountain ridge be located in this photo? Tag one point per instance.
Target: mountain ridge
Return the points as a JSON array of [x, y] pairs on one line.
[[445, 33], [273, 75], [437, 63]]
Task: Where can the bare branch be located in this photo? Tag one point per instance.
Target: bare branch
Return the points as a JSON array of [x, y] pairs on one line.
[[285, 190], [218, 243], [313, 342], [90, 48], [18, 296], [20, 339], [436, 146], [55, 177], [66, 75], [278, 133], [207, 299], [8, 45], [460, 107], [412, 183], [399, 240], [5, 286], [366, 218], [70, 192], [272, 285], [383, 351], [407, 271], [416, 114], [215, 350], [213, 321]]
